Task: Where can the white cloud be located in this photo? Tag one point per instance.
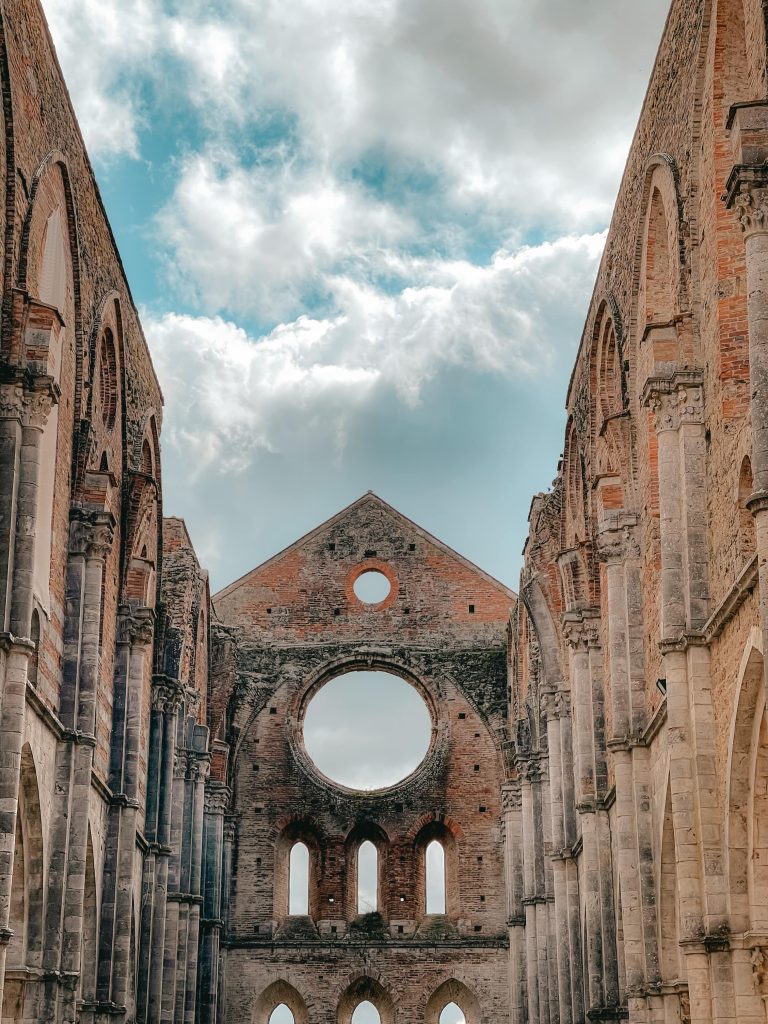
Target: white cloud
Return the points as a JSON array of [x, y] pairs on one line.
[[229, 395]]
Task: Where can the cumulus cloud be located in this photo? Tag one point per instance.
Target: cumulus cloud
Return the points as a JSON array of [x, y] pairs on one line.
[[229, 394]]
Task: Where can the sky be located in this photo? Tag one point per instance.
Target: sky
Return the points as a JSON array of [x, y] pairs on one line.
[[362, 236]]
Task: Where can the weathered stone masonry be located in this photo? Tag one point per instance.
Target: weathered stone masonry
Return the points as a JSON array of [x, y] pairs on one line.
[[598, 773]]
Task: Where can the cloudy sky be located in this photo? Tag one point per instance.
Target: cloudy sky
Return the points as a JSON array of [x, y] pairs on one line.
[[362, 235]]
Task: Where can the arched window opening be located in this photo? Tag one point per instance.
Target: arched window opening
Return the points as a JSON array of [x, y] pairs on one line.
[[281, 1015], [104, 463], [16, 955], [90, 928], [659, 300], [452, 1014], [108, 380], [366, 1013], [435, 869], [34, 658], [747, 540], [53, 291], [146, 458], [53, 272], [367, 878], [298, 880]]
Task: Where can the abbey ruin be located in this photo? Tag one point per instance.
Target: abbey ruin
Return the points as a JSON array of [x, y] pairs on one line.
[[596, 782]]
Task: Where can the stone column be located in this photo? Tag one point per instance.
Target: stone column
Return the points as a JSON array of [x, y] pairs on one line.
[[747, 194], [531, 839], [678, 404], [217, 797], [134, 644], [581, 632], [559, 878], [166, 700], [620, 553], [91, 538], [36, 404]]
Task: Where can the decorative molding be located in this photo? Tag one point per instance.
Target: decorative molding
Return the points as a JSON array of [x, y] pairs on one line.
[[675, 399], [746, 193]]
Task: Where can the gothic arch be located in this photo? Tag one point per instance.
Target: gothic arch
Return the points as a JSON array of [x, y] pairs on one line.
[[362, 832], [297, 831], [541, 616], [671, 960], [90, 947], [362, 988], [453, 991], [746, 741], [438, 830], [274, 995]]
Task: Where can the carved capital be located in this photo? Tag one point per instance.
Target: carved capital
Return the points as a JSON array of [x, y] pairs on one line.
[[511, 799], [617, 540], [11, 401], [760, 970], [548, 704], [136, 628], [747, 195], [563, 704], [217, 798], [38, 403], [91, 535], [581, 631], [166, 697], [675, 399]]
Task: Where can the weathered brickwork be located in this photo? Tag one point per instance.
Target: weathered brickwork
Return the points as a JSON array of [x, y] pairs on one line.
[[298, 623], [598, 769], [644, 585]]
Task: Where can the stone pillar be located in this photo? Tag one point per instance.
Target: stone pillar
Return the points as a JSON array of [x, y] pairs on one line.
[[747, 195], [217, 797], [620, 553], [91, 538], [134, 644], [36, 404], [581, 632], [559, 879], [678, 404], [531, 840], [166, 699]]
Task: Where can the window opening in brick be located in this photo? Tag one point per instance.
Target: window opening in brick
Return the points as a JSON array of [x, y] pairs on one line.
[[452, 1014], [411, 547], [471, 609], [367, 730], [298, 880], [372, 587], [282, 1015], [435, 870], [366, 1013], [367, 878]]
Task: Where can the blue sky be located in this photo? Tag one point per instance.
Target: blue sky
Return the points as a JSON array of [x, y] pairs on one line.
[[362, 235]]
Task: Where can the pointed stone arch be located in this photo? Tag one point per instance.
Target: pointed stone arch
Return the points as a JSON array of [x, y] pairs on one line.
[[453, 991], [276, 994], [361, 989]]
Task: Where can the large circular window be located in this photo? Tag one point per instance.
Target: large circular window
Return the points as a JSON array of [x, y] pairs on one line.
[[372, 587], [367, 730]]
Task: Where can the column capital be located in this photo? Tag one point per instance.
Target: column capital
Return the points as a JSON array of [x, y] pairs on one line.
[[617, 539], [511, 798], [91, 534], [136, 627], [217, 798], [581, 629], [675, 399], [166, 696], [11, 400], [563, 704], [746, 193], [38, 401]]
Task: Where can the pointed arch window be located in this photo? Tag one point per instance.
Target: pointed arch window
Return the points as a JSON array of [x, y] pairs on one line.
[[281, 1015], [366, 1013], [435, 872], [298, 881], [452, 1014], [367, 878]]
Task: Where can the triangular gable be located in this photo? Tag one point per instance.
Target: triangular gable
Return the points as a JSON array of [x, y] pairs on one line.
[[368, 497]]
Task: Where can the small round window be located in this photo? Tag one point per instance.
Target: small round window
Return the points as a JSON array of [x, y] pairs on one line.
[[372, 587]]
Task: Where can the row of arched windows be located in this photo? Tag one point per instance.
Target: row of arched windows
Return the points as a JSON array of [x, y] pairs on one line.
[[367, 878], [366, 1013]]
